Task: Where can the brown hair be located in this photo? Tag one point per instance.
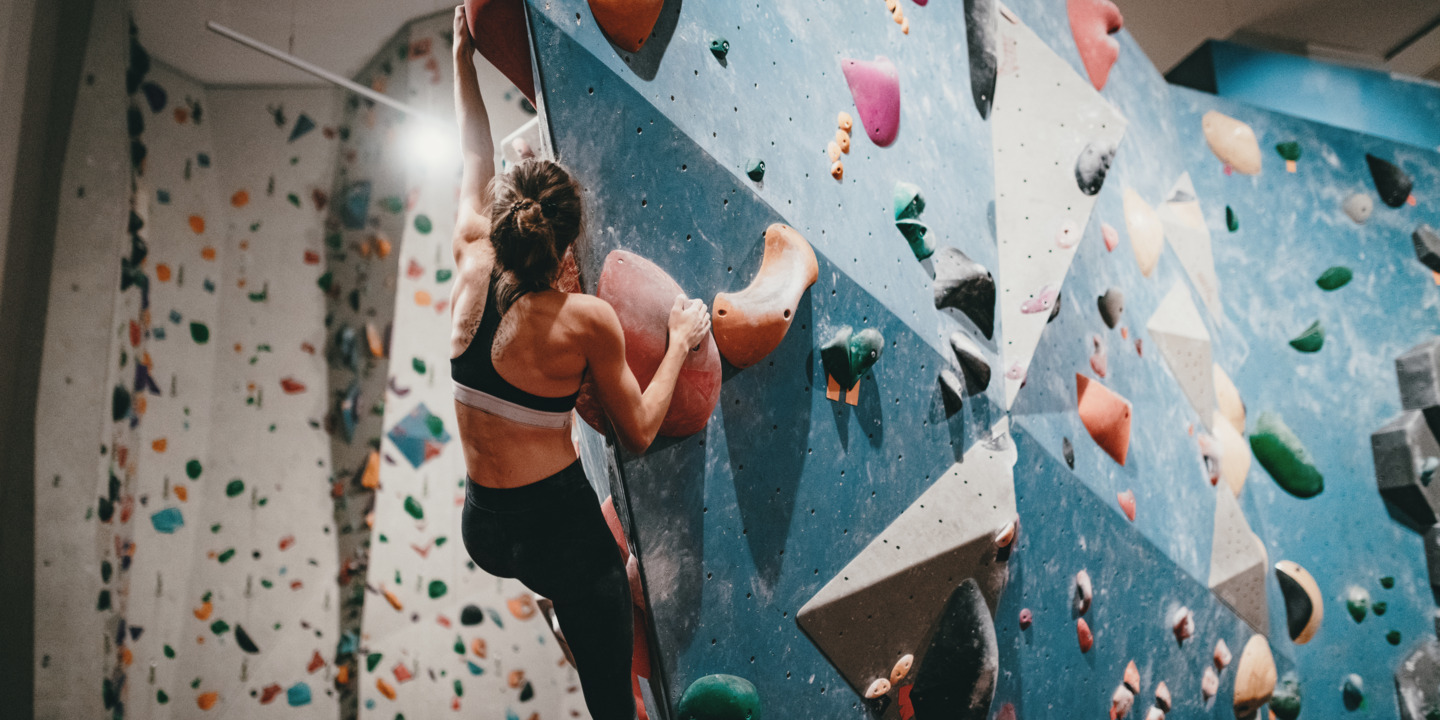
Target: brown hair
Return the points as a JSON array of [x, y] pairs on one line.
[[534, 219]]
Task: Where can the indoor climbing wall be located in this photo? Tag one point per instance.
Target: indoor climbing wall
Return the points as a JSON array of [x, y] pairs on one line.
[[439, 637], [819, 541]]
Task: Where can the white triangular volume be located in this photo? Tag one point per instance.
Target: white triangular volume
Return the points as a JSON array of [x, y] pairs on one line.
[[1188, 234], [1176, 327], [1045, 115], [1237, 564]]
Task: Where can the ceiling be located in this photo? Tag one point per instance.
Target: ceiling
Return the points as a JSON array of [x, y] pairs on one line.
[[341, 35]]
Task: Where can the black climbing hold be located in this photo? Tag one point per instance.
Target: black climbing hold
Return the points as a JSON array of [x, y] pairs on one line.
[[1093, 164], [1054, 309], [1391, 182], [242, 639], [849, 355], [1427, 247], [980, 37], [1289, 150], [471, 615], [119, 403], [134, 121], [1285, 702], [973, 365], [155, 96], [1353, 692], [1068, 451], [303, 125], [1298, 607], [952, 392], [1112, 304], [957, 677], [965, 285]]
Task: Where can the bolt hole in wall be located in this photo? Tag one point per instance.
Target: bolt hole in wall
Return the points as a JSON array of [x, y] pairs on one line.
[[1014, 508]]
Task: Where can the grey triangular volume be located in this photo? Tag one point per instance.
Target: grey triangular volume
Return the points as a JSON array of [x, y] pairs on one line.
[[885, 603], [1237, 563]]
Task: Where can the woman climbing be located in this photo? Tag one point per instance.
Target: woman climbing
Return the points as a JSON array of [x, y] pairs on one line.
[[519, 351]]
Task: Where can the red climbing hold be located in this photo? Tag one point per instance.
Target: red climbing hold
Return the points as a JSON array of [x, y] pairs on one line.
[[642, 295], [626, 22], [506, 42], [749, 324], [1127, 503], [875, 86], [1106, 416], [1026, 617], [1082, 633], [1092, 22]]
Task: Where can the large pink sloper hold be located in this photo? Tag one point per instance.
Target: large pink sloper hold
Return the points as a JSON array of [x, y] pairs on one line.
[[875, 85], [1092, 22]]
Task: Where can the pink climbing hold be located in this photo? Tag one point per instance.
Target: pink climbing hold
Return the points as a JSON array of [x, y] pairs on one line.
[[1083, 634], [1092, 22], [1042, 302], [1127, 503], [875, 86], [1111, 235], [642, 295], [1099, 357], [1026, 617]]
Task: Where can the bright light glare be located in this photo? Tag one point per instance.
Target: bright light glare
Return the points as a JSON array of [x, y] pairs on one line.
[[433, 144]]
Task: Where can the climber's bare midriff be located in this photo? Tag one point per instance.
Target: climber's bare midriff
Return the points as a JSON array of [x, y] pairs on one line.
[[502, 453]]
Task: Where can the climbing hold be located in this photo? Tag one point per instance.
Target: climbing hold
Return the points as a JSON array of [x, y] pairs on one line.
[[1127, 503], [719, 46], [844, 121], [917, 234], [1110, 235], [1093, 164], [1282, 455], [952, 392], [1099, 358], [1155, 713], [499, 30], [1132, 677], [1232, 223], [958, 674], [1026, 618], [842, 139], [1289, 150], [1221, 656], [849, 354], [1227, 399], [965, 285], [1427, 247], [1209, 683], [1042, 301], [1055, 307], [1234, 456], [1403, 451], [1285, 701], [1254, 677], [751, 323], [1391, 182], [1106, 416], [902, 668], [1092, 23], [973, 366], [1182, 623], [1006, 534], [755, 169], [720, 697], [1418, 372], [1084, 592], [1068, 235], [909, 202], [980, 35], [1121, 701], [1358, 207], [1232, 141], [1357, 602], [1334, 278], [167, 521], [1311, 339], [1068, 450], [878, 689], [837, 170], [1352, 691], [1147, 233], [642, 295], [1162, 696], [875, 86], [1083, 635], [626, 22], [1112, 304], [832, 151], [303, 126], [1304, 607]]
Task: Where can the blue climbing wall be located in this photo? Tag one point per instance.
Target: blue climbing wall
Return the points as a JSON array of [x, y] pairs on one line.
[[739, 526]]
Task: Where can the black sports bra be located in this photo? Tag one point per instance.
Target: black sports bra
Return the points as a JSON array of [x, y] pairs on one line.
[[479, 385]]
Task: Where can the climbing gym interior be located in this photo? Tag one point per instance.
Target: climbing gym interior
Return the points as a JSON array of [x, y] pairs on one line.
[[1067, 357]]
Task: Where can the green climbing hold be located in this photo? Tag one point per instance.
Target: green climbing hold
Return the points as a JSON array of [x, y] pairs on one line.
[[294, 199], [1387, 582], [437, 589], [412, 506], [224, 557], [435, 425], [849, 354], [423, 224], [720, 697], [326, 281], [1334, 278], [1282, 455], [161, 697], [1285, 702], [169, 651], [1311, 340], [219, 627], [459, 646], [459, 689], [419, 365], [755, 169], [1393, 637], [234, 487], [1353, 691], [372, 661], [103, 602], [1288, 150], [1379, 607], [909, 202], [199, 332], [442, 275], [1232, 223], [918, 235], [119, 403], [1357, 602], [720, 46], [192, 469], [392, 204]]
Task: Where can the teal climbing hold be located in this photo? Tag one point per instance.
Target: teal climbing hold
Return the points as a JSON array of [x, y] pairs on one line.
[[167, 521], [1232, 223], [909, 202], [1285, 702], [849, 354], [299, 694], [1288, 150], [720, 46], [1282, 455], [1311, 340], [918, 235], [1352, 692], [1334, 278], [1357, 602], [755, 169], [423, 224], [720, 697]]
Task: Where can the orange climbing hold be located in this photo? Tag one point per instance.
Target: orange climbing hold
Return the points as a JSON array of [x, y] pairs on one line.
[[370, 476], [316, 662], [522, 606], [182, 493], [384, 688], [1083, 634], [162, 272], [159, 445], [478, 647], [627, 22], [207, 700], [392, 599], [240, 199], [375, 340], [202, 613], [208, 253], [1106, 416], [751, 323], [197, 224]]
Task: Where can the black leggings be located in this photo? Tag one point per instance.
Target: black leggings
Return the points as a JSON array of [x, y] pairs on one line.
[[551, 536]]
